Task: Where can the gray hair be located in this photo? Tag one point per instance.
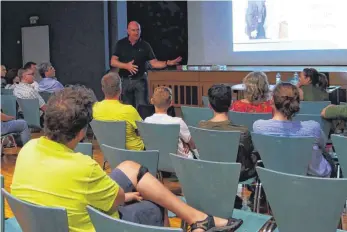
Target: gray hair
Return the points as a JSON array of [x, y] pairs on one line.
[[43, 67], [256, 87], [111, 84], [20, 72]]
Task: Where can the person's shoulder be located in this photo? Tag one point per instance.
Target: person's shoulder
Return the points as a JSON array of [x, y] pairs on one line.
[[260, 124], [123, 40], [145, 43]]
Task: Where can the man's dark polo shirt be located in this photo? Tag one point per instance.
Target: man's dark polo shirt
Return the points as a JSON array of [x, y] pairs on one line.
[[140, 52]]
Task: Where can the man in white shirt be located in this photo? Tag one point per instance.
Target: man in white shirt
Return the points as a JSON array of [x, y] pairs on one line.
[[161, 99]]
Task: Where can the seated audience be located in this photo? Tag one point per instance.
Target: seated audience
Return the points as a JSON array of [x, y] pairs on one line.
[[73, 181], [3, 76], [111, 109], [286, 103], [256, 95], [220, 100], [162, 99], [12, 79], [48, 82], [10, 125], [335, 112], [24, 90], [312, 85]]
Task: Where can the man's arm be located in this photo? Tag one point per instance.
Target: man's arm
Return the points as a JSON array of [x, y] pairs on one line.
[[5, 117], [128, 66], [333, 111], [163, 64]]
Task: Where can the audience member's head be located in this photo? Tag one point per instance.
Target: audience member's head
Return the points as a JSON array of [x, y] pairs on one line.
[[162, 97], [26, 75], [309, 76], [220, 98], [256, 87], [30, 65], [68, 114], [286, 100], [3, 71], [111, 85], [322, 81], [12, 77], [46, 70]]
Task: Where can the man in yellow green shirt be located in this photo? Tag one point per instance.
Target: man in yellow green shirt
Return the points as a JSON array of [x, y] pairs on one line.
[[111, 109], [49, 173]]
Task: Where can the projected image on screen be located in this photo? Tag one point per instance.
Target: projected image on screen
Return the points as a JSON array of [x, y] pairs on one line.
[[273, 25]]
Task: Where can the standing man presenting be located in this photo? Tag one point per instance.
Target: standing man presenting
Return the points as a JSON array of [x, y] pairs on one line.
[[131, 56]]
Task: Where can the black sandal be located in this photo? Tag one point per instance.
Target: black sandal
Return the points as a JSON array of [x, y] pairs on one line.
[[208, 225]]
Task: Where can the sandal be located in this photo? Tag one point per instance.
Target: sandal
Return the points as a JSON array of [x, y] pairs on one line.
[[208, 225]]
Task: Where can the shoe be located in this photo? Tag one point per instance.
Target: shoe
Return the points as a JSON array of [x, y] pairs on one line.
[[208, 225]]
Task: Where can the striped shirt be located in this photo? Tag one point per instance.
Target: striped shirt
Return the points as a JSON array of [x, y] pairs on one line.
[[319, 165], [26, 91]]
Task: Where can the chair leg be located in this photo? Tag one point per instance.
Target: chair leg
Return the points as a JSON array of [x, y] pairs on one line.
[[184, 225]]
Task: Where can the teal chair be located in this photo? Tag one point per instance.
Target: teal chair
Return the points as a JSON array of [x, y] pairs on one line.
[[10, 224], [211, 187], [6, 91], [193, 115], [31, 111], [340, 145], [105, 223], [313, 107], [205, 101], [111, 133], [302, 203], [85, 149], [9, 105], [163, 138], [34, 218], [324, 124], [45, 95], [285, 154], [218, 146], [115, 156], [247, 119]]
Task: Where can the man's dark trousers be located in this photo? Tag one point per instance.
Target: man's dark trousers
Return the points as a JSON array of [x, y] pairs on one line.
[[135, 90]]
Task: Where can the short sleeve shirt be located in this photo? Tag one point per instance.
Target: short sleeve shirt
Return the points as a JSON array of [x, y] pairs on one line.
[[50, 174], [141, 52]]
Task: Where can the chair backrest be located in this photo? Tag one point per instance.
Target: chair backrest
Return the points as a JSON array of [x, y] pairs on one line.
[[208, 186], [9, 105], [324, 124], [193, 115], [31, 111], [205, 101], [115, 156], [2, 206], [247, 119], [6, 91], [45, 95], [340, 145], [34, 218], [214, 145], [163, 138], [313, 107], [111, 133], [285, 154], [105, 223], [85, 149], [302, 203]]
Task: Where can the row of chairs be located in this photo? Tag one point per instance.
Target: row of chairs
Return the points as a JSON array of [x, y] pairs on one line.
[[319, 201]]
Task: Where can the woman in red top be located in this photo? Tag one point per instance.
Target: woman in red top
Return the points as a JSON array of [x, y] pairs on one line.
[[256, 95]]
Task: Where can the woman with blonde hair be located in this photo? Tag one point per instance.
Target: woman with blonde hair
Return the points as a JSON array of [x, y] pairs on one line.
[[256, 95]]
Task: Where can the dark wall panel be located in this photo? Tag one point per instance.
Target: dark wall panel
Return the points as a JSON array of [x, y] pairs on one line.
[[76, 38]]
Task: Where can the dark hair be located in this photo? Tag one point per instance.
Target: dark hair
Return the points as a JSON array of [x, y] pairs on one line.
[[312, 74], [287, 99], [220, 98], [29, 64], [322, 81], [10, 75], [68, 112]]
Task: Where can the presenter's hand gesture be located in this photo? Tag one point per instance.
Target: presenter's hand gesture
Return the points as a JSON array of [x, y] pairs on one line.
[[174, 62], [131, 67]]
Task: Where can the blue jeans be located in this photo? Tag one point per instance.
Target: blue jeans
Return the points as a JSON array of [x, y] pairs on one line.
[[16, 126]]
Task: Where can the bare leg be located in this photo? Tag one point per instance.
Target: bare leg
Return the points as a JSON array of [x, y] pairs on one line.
[[151, 189]]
